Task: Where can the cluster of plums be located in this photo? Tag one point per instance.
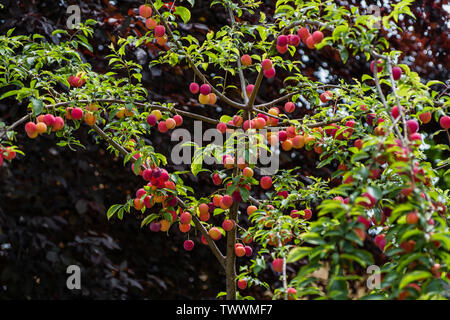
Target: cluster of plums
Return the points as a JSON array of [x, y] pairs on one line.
[[42, 125], [205, 95], [155, 118], [145, 11], [46, 122]]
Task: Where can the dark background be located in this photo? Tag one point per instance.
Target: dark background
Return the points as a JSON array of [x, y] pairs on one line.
[[53, 202]]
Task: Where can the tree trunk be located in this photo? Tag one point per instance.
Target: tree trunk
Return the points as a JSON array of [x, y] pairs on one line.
[[230, 259]]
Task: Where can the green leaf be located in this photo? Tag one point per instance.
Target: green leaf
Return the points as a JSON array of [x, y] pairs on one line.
[[433, 82], [10, 31], [196, 168], [338, 30], [399, 210], [38, 106], [112, 210], [137, 165], [225, 119], [442, 238], [138, 76], [414, 276], [9, 93], [352, 257], [297, 254], [149, 219], [357, 157], [338, 289], [184, 13], [344, 54], [245, 194], [410, 233], [59, 31], [120, 213], [313, 238], [406, 261]]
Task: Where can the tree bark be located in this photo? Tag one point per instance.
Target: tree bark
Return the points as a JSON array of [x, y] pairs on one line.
[[230, 259]]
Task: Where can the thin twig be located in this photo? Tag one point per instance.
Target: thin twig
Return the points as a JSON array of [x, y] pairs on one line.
[[383, 99], [397, 100], [255, 201], [240, 72]]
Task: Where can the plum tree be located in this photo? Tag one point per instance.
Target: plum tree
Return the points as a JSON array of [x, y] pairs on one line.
[[205, 89], [425, 117], [379, 65], [289, 107], [269, 73], [251, 209], [151, 23], [242, 284], [76, 113], [378, 201], [215, 233], [239, 251]]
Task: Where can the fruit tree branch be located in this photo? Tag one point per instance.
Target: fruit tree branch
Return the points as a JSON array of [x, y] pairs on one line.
[[276, 101], [289, 95], [284, 275], [15, 124], [255, 201], [311, 125], [144, 104]]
